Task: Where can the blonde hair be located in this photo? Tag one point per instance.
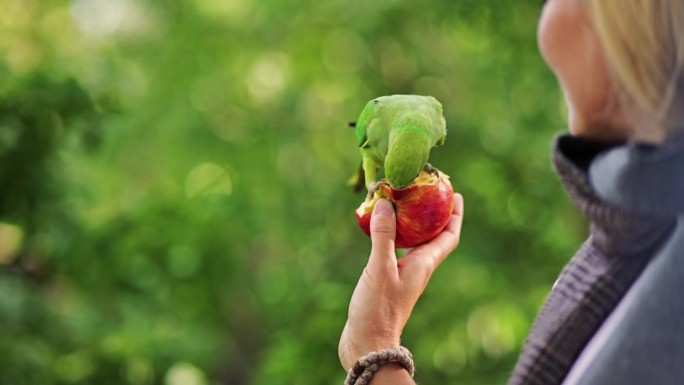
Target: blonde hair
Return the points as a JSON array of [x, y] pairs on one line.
[[643, 41]]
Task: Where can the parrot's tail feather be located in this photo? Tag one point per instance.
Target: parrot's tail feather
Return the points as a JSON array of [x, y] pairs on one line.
[[357, 181]]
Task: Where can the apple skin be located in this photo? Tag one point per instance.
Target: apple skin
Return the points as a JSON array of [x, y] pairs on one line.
[[423, 208]]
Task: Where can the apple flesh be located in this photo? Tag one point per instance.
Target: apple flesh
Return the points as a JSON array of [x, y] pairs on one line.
[[423, 208]]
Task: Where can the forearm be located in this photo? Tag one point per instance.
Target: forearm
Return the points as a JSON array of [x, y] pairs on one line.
[[392, 374]]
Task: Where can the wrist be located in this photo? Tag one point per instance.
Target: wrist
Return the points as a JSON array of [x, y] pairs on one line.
[[373, 342], [392, 373], [378, 344]]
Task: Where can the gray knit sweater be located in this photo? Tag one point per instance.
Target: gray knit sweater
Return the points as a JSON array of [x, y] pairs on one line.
[[620, 189]]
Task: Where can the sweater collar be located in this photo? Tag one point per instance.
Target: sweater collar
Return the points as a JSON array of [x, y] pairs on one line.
[[600, 184], [642, 178]]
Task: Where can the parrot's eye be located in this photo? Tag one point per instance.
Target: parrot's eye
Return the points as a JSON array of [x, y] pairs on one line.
[[376, 101]]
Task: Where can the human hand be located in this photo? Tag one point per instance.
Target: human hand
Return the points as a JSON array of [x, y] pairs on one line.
[[389, 288]]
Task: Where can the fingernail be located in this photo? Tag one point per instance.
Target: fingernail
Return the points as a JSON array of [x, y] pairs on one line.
[[383, 208]]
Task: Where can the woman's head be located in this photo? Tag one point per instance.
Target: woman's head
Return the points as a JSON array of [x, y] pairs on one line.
[[620, 63]]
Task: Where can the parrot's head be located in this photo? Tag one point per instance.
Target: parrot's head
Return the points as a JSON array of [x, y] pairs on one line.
[[408, 153]]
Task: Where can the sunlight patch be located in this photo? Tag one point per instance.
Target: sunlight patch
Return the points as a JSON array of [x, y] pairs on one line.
[[266, 78], [184, 373], [108, 17], [11, 237], [208, 179]]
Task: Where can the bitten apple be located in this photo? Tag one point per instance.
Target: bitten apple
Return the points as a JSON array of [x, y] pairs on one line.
[[423, 208]]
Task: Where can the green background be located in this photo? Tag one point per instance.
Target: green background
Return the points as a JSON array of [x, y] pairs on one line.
[[173, 198]]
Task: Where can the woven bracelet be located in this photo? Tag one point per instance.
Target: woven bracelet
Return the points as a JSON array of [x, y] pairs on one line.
[[366, 366]]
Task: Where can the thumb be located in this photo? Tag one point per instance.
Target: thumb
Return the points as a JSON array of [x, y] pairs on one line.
[[383, 229]]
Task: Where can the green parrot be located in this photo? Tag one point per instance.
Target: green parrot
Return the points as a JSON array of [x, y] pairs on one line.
[[397, 132]]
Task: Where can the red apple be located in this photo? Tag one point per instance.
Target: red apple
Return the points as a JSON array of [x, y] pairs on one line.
[[423, 208]]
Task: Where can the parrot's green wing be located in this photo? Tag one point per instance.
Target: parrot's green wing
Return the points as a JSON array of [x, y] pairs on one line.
[[372, 138], [358, 180], [362, 123]]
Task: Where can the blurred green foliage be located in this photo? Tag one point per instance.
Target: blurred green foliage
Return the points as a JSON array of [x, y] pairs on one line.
[[173, 207]]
